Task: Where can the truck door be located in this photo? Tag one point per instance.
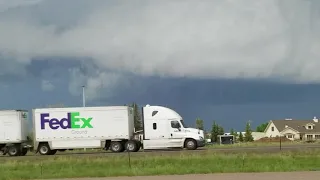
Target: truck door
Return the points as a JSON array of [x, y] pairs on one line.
[[8, 129], [176, 135]]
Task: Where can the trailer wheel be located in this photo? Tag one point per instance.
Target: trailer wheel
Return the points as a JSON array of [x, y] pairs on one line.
[[24, 151], [191, 144], [14, 150], [44, 149], [132, 146], [116, 146]]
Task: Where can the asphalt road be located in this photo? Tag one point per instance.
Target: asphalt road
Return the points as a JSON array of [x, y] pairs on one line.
[[259, 149], [313, 175]]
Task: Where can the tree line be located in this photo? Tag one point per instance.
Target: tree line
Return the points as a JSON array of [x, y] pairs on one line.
[[217, 130]]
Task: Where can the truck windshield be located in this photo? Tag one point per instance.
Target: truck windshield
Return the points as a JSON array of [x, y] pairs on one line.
[[182, 123]]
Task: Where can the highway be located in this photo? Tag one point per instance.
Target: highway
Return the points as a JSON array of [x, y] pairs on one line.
[[258, 149]]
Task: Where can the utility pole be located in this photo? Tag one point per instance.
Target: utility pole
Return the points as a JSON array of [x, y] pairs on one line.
[[83, 96], [84, 102]]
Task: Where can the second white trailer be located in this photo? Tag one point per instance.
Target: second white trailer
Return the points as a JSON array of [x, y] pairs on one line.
[[14, 131]]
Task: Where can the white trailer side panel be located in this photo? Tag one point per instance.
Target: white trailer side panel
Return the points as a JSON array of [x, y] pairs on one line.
[[13, 126], [83, 123]]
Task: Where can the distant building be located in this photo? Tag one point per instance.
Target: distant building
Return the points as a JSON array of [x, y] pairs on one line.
[[256, 135], [294, 129]]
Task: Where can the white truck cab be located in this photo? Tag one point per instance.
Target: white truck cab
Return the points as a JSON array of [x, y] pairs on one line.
[[164, 128]]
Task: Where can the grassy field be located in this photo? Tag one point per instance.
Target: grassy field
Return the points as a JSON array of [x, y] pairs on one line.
[[68, 166]]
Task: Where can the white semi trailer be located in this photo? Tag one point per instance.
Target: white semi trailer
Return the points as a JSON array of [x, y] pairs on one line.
[[14, 131], [111, 127]]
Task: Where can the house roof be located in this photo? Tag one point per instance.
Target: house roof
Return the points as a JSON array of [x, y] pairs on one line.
[[298, 125]]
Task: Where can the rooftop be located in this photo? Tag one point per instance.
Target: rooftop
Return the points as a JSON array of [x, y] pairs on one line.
[[298, 125]]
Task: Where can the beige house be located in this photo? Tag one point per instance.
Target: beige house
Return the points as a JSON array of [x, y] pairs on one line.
[[258, 135], [294, 129]]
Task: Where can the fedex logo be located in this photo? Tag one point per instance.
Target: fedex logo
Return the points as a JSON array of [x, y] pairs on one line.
[[72, 121]]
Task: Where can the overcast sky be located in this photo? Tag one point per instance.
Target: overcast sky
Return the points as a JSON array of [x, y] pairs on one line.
[[203, 58]]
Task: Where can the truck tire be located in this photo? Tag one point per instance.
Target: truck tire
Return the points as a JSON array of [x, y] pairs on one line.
[[14, 150], [116, 146], [132, 146], [53, 152], [24, 151], [44, 149], [191, 144], [139, 145]]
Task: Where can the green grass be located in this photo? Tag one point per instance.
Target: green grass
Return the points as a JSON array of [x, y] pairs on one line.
[[81, 166], [262, 144]]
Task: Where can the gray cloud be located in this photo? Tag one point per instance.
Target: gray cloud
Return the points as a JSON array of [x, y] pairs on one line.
[[277, 39], [6, 5], [47, 85], [98, 84]]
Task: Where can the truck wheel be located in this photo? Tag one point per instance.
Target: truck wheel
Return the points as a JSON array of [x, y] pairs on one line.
[[116, 146], [24, 151], [44, 149], [191, 144], [139, 145], [14, 150], [53, 152], [131, 146]]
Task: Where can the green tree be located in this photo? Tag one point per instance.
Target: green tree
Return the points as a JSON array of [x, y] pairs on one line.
[[262, 127], [241, 137], [221, 130], [199, 124], [248, 137], [207, 135], [234, 133], [214, 132]]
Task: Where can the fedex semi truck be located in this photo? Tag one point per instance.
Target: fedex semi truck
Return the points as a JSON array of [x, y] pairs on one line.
[[14, 130], [107, 127], [111, 127]]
